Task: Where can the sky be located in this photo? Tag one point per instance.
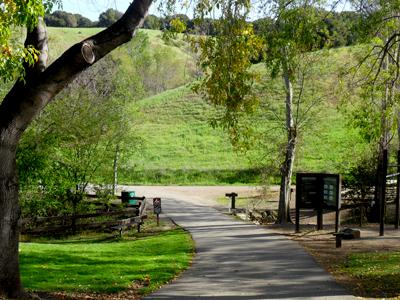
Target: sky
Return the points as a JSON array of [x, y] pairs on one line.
[[92, 9]]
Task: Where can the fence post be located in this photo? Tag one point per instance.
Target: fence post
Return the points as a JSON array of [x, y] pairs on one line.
[[383, 197]]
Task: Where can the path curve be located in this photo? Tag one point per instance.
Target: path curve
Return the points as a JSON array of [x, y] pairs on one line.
[[239, 261]]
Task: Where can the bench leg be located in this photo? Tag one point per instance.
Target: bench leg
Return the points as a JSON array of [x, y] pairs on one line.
[[338, 241]]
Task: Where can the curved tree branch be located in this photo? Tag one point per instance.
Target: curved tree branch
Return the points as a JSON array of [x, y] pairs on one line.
[[24, 102]]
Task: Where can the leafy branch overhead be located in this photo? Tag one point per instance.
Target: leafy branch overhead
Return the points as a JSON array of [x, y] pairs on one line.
[[227, 76], [225, 59], [14, 55]]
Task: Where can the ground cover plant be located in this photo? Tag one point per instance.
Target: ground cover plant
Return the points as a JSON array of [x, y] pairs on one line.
[[105, 264]]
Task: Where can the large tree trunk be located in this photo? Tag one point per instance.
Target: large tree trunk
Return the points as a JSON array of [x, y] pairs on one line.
[[20, 107], [287, 166], [10, 221], [10, 216]]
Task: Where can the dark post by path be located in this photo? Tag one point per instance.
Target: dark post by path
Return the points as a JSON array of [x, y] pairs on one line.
[[157, 209], [233, 205]]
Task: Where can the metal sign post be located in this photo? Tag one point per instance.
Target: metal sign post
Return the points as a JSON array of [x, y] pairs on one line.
[[157, 209]]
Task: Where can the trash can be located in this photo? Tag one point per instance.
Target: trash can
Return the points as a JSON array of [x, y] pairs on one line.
[[126, 195]]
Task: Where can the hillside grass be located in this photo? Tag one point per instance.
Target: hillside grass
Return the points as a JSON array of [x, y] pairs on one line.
[[61, 38], [182, 149]]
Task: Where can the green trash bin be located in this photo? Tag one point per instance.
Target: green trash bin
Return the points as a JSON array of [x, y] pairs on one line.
[[126, 195]]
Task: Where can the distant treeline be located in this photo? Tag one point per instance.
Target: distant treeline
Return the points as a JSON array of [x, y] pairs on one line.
[[341, 25]]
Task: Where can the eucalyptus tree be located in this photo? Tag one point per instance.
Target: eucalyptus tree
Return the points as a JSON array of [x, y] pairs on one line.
[[38, 85]]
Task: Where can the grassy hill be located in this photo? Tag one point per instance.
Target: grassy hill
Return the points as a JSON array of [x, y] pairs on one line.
[[61, 38], [180, 146]]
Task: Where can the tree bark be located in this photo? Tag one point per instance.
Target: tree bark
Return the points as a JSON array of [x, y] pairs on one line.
[[20, 107], [287, 166]]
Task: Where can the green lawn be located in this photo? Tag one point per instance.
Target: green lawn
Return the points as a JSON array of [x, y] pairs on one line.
[[380, 272], [93, 265]]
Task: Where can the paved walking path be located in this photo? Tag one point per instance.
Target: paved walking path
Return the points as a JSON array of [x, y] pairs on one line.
[[238, 261]]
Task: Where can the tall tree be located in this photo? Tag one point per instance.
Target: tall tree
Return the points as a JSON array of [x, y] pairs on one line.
[[293, 29], [26, 99]]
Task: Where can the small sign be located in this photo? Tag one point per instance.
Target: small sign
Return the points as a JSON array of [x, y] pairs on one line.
[[157, 202], [157, 206], [157, 210]]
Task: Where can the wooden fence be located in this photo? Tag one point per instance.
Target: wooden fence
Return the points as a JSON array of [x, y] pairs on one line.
[[138, 211]]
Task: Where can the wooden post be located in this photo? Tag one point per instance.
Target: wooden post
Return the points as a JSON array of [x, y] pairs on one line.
[[157, 209], [247, 211], [338, 240], [234, 201], [396, 221], [383, 194], [298, 199], [320, 224], [337, 220], [232, 207]]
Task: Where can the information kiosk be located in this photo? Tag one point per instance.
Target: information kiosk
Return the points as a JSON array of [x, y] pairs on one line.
[[318, 191]]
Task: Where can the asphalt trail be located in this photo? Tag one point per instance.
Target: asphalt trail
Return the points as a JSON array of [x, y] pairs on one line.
[[239, 261]]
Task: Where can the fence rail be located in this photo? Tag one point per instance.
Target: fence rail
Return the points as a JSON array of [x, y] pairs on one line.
[[138, 211]]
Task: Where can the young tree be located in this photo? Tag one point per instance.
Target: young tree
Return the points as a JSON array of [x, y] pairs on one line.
[[78, 136], [29, 96]]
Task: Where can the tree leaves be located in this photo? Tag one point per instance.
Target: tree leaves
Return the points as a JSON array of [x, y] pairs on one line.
[[13, 14], [225, 60]]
